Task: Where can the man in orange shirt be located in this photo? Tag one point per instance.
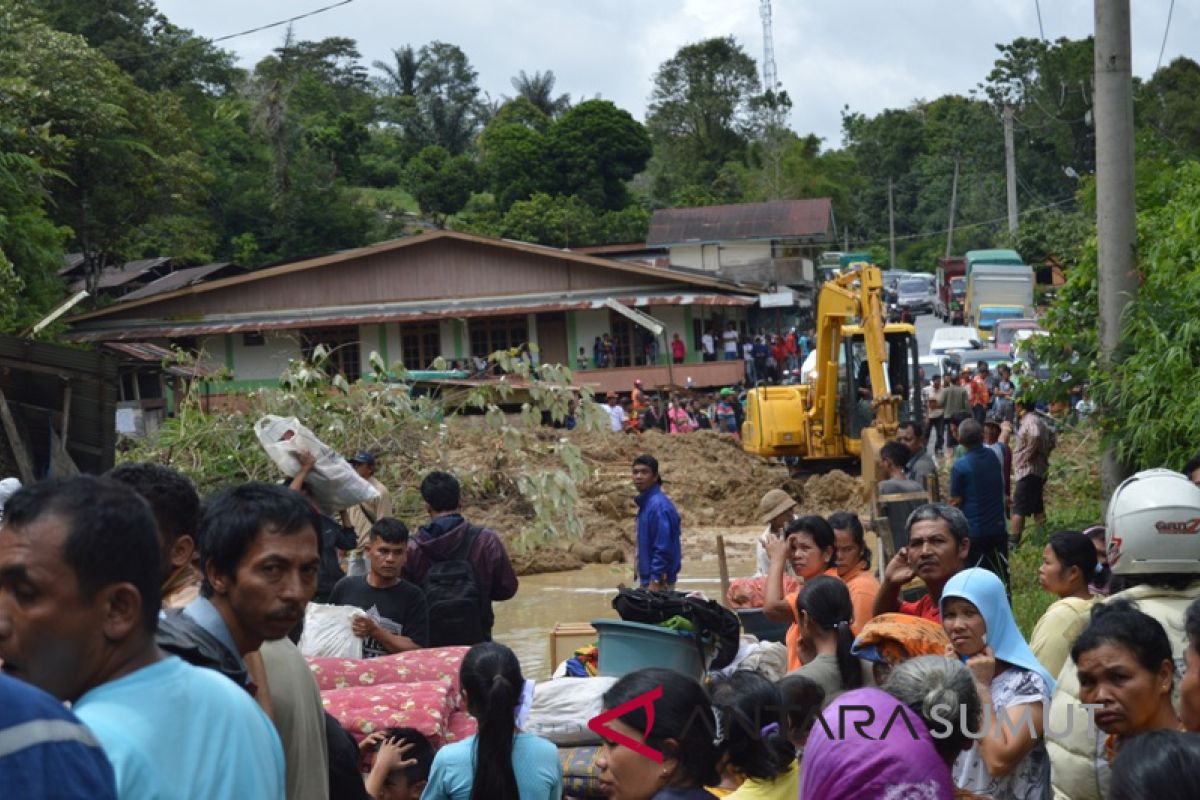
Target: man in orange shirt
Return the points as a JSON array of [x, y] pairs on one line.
[[980, 396]]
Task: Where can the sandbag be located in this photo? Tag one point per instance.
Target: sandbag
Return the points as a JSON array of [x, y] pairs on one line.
[[334, 482], [327, 632], [562, 707]]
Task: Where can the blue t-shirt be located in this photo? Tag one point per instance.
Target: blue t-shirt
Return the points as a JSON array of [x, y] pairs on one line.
[[534, 760], [45, 751], [174, 730], [978, 479]]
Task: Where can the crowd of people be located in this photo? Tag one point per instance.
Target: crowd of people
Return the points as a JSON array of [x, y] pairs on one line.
[[168, 627], [642, 411]]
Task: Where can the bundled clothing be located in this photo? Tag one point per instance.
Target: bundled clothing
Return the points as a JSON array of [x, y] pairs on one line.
[[892, 638]]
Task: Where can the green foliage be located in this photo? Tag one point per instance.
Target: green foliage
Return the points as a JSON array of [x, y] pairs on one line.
[[595, 148], [700, 113], [1051, 234], [538, 90], [413, 433], [1150, 415], [439, 182]]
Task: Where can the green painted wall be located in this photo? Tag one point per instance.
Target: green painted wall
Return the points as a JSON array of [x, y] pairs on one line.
[[383, 345], [229, 351], [458, 338]]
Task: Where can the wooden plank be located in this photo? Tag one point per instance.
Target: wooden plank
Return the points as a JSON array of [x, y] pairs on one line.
[[16, 444], [723, 565]]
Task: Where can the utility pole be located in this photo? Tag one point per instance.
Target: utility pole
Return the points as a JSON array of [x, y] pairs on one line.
[[1010, 168], [846, 230], [891, 228], [1115, 223], [953, 205]]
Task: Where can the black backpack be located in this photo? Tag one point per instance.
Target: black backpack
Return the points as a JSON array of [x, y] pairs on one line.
[[714, 622], [457, 615]]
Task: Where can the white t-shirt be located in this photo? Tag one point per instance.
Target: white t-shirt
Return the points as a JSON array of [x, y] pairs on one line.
[[747, 351], [616, 418], [1030, 780], [731, 341], [707, 342]]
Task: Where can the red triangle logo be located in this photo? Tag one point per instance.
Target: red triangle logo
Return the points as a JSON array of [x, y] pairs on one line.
[[598, 726]]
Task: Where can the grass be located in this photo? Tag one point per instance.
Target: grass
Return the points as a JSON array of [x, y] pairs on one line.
[[393, 200]]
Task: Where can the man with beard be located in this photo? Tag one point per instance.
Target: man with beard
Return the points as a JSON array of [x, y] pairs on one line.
[[938, 543], [79, 606]]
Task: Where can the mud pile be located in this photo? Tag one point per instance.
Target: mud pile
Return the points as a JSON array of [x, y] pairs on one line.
[[714, 483]]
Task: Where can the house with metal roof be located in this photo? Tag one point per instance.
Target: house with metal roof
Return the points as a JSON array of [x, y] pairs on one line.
[[441, 294], [776, 242]]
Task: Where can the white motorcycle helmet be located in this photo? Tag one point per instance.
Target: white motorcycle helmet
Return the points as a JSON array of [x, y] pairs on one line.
[[1153, 525]]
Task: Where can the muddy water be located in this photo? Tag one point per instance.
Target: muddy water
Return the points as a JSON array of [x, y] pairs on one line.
[[525, 622]]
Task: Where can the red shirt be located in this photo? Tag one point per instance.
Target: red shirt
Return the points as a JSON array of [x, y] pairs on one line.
[[924, 608], [678, 349], [790, 343]]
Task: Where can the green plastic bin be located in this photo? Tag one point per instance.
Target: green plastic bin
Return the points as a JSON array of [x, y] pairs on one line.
[[629, 646]]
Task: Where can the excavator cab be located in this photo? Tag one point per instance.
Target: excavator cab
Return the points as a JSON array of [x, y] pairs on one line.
[[901, 371]]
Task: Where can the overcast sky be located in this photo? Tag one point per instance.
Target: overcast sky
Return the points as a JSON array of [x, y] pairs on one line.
[[868, 54]]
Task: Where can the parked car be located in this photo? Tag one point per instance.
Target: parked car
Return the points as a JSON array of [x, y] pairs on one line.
[[957, 337]]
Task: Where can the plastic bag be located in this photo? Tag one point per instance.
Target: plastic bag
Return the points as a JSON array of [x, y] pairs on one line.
[[334, 482], [562, 707], [327, 632]]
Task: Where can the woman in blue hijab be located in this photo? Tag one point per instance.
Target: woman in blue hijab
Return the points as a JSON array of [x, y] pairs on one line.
[[1008, 760]]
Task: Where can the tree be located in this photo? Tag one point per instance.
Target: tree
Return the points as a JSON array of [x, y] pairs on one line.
[[553, 221], [595, 148], [400, 77], [700, 111], [447, 97], [1168, 106], [513, 163], [441, 183], [128, 177], [538, 89]]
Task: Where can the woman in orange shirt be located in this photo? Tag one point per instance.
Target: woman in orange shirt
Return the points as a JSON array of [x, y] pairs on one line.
[[807, 544], [853, 559]]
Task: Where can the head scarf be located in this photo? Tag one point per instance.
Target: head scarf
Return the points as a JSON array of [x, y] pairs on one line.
[[893, 638], [983, 589], [887, 762]]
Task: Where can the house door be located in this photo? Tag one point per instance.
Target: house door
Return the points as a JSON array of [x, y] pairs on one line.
[[552, 339]]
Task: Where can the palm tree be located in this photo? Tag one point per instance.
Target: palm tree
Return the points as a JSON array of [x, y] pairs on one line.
[[400, 79], [538, 89]]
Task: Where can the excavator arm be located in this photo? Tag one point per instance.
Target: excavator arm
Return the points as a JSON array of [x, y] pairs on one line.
[[807, 422]]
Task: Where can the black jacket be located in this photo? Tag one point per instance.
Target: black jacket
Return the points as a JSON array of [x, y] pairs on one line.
[[333, 538]]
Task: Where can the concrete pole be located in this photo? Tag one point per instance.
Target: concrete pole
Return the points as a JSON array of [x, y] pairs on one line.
[[1010, 168], [1115, 222], [953, 204], [891, 228]]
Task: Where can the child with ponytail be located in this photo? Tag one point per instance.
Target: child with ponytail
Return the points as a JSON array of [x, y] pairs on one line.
[[499, 762], [826, 612]]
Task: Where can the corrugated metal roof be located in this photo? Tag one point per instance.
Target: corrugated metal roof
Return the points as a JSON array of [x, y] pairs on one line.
[[155, 354], [175, 280], [778, 219], [707, 281], [119, 276], [126, 330]]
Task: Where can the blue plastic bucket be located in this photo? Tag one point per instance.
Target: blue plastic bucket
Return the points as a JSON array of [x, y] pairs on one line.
[[629, 646]]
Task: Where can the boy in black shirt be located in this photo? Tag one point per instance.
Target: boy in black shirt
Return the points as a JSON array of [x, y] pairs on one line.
[[401, 606]]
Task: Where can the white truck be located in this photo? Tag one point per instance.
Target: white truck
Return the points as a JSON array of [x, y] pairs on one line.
[[996, 292]]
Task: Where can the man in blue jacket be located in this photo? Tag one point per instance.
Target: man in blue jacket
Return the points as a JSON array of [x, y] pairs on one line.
[[659, 554]]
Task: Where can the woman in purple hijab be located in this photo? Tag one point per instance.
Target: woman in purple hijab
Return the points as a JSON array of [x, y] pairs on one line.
[[869, 744]]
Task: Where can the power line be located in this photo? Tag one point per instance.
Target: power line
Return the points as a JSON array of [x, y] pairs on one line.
[[1163, 49], [312, 13], [1042, 31], [957, 228]]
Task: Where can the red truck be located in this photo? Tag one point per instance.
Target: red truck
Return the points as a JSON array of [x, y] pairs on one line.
[[947, 289]]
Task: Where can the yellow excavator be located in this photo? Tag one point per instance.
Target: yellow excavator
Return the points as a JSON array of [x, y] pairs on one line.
[[866, 381]]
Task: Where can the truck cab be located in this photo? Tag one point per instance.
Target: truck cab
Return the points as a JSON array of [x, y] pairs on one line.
[[997, 292]]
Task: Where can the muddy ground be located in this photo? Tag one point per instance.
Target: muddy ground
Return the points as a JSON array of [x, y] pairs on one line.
[[714, 483]]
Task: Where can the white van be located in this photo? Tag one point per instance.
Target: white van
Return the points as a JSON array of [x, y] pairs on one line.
[[957, 337]]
